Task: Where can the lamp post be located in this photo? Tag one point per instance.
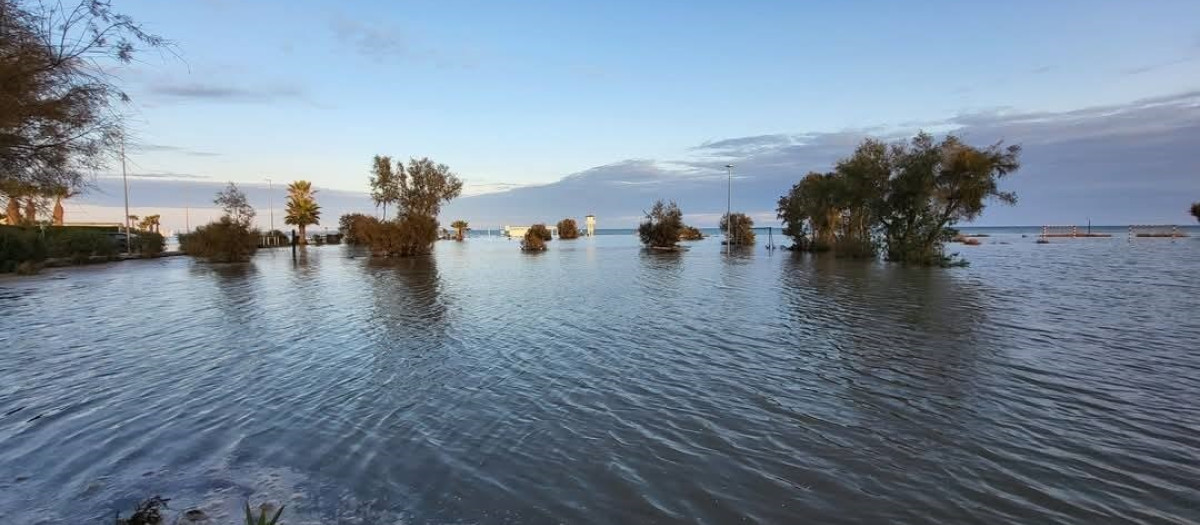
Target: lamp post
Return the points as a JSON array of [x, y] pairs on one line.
[[125, 181], [728, 209]]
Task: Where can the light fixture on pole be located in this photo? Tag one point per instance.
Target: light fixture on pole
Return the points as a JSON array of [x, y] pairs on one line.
[[728, 209]]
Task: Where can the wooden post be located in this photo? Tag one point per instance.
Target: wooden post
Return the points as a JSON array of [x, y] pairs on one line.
[[293, 244]]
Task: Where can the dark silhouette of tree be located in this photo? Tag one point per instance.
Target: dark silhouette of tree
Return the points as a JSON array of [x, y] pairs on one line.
[[567, 229], [59, 115], [235, 205], [662, 225], [385, 184], [1196, 211]]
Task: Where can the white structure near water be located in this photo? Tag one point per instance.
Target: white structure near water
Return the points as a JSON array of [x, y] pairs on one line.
[[519, 231]]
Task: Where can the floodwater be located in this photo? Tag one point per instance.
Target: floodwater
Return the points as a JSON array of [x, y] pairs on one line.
[[598, 383]]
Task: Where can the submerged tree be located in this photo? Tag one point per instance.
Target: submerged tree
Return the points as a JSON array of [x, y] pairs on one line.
[[742, 231], [535, 238], [906, 197], [418, 190], [662, 225], [235, 205], [567, 229], [302, 208], [690, 233], [59, 115], [230, 238], [460, 228]]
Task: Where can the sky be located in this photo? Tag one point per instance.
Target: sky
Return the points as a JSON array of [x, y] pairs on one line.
[[554, 109]]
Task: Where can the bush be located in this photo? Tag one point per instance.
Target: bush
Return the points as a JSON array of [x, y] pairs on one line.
[[20, 245], [535, 238], [352, 226], [661, 229], [690, 233], [567, 229], [78, 245], [402, 237], [149, 244], [225, 240], [743, 229]]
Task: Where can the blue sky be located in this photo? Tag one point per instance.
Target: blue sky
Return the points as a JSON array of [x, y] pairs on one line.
[[525, 94]]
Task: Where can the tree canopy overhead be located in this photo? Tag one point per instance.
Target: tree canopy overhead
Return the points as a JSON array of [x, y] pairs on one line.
[[59, 114]]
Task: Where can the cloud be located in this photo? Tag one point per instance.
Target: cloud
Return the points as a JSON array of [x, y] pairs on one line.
[[1114, 164], [382, 43], [152, 148], [1156, 66], [224, 93], [157, 175]]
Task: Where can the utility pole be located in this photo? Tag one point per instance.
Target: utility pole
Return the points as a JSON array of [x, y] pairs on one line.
[[271, 203], [125, 179], [728, 210]]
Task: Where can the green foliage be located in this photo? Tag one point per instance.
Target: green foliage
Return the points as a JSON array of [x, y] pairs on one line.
[[690, 233], [535, 238], [225, 240], [567, 229], [1196, 210], [302, 208], [262, 516], [742, 233], [149, 244], [385, 185], [662, 225], [148, 512], [235, 205], [905, 197], [352, 226], [398, 237], [460, 227], [79, 245], [19, 246]]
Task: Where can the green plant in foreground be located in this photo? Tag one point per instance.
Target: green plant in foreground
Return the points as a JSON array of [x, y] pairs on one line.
[[262, 516]]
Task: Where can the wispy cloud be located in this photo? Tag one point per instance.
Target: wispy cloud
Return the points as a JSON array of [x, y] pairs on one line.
[[381, 43], [163, 148], [224, 93], [156, 175]]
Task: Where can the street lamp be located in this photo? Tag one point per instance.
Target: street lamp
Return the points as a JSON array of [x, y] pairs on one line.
[[729, 209]]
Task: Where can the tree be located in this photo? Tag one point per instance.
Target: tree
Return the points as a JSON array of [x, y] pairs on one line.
[[302, 208], [742, 232], [418, 190], [690, 233], [535, 238], [662, 225], [460, 226], [424, 186], [58, 96], [60, 193], [235, 205], [385, 184], [567, 229], [1196, 211], [354, 225], [150, 223], [906, 196]]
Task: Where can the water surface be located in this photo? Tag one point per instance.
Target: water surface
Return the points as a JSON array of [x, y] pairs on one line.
[[597, 383]]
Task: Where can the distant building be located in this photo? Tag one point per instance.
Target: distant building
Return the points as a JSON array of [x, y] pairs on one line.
[[519, 231], [590, 220]]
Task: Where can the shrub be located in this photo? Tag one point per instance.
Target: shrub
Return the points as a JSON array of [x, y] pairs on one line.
[[567, 229], [225, 240], [398, 238], [149, 244], [662, 225], [743, 229], [690, 233], [535, 238], [79, 245], [18, 246]]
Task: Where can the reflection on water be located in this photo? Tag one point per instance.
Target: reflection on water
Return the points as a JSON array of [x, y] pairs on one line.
[[598, 382]]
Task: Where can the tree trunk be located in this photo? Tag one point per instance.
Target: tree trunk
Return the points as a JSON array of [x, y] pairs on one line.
[[31, 210], [303, 236], [58, 211], [13, 215]]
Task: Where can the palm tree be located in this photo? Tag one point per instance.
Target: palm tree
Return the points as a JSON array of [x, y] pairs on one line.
[[460, 226], [150, 223], [302, 208]]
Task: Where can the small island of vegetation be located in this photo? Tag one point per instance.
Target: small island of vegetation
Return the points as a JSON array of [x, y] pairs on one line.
[[567, 229], [535, 238], [902, 198], [417, 191], [660, 230], [690, 233], [742, 231], [228, 239]]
